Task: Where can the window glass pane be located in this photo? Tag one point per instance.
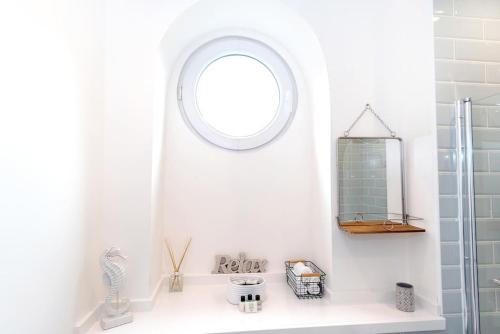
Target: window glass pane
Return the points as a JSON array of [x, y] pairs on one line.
[[237, 95]]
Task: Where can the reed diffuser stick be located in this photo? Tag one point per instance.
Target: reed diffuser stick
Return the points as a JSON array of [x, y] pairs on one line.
[[171, 254], [184, 254]]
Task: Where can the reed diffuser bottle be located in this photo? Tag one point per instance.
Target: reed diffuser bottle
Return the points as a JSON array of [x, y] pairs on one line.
[[175, 282], [176, 279]]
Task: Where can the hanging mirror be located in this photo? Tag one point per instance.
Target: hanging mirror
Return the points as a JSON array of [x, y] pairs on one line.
[[371, 184]]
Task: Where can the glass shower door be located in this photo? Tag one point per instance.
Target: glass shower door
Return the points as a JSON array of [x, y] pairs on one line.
[[478, 184]]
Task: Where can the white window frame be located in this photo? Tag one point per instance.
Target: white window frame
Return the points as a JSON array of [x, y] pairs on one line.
[[209, 52]]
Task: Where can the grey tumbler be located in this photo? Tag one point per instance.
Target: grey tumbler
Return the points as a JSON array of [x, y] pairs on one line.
[[405, 297]]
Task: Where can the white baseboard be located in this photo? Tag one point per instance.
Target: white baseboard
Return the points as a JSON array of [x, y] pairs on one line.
[[137, 305], [84, 324]]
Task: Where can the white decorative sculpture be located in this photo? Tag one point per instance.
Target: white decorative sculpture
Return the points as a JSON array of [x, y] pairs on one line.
[[225, 264], [115, 311]]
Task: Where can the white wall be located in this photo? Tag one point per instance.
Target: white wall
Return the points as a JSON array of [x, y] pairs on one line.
[[375, 53], [47, 105], [125, 164], [379, 52]]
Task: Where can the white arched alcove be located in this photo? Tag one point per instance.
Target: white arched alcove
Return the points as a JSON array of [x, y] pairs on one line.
[[273, 201]]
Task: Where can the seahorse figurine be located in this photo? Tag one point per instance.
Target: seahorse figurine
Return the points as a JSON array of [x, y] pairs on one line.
[[116, 310]]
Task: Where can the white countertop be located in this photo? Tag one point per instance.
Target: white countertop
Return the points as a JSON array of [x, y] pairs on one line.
[[204, 309]]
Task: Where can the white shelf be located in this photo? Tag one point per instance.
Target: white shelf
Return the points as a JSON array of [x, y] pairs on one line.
[[204, 309]]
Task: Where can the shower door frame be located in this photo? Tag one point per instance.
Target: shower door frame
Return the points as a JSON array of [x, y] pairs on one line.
[[467, 216]]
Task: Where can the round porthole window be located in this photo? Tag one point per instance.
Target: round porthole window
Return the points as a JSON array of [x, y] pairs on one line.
[[237, 93]]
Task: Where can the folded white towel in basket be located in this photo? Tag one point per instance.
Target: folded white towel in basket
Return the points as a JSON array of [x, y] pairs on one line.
[[313, 289], [308, 279], [300, 268]]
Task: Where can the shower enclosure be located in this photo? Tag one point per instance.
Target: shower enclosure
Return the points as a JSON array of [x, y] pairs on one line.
[[478, 188]]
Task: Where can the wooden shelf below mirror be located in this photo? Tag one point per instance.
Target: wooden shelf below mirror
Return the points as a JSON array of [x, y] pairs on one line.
[[377, 226]]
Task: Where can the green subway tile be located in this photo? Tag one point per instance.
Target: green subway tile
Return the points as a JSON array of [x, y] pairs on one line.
[[490, 323], [452, 302], [487, 184], [450, 254], [494, 117], [447, 161], [451, 278], [481, 161], [446, 137], [486, 275], [487, 139], [448, 207], [485, 253], [487, 300], [495, 207], [483, 207], [447, 184], [488, 229], [445, 114], [449, 230]]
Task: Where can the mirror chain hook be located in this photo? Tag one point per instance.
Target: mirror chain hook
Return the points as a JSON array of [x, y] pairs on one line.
[[368, 108]]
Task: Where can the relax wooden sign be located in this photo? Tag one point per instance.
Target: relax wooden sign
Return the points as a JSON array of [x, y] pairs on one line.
[[224, 264]]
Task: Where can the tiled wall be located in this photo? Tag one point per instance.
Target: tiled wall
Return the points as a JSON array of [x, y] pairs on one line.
[[467, 50], [363, 174]]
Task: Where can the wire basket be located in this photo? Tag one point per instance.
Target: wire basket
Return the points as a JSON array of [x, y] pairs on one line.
[[306, 286]]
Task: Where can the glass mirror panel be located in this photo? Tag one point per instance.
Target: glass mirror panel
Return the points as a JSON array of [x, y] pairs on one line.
[[369, 178]]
